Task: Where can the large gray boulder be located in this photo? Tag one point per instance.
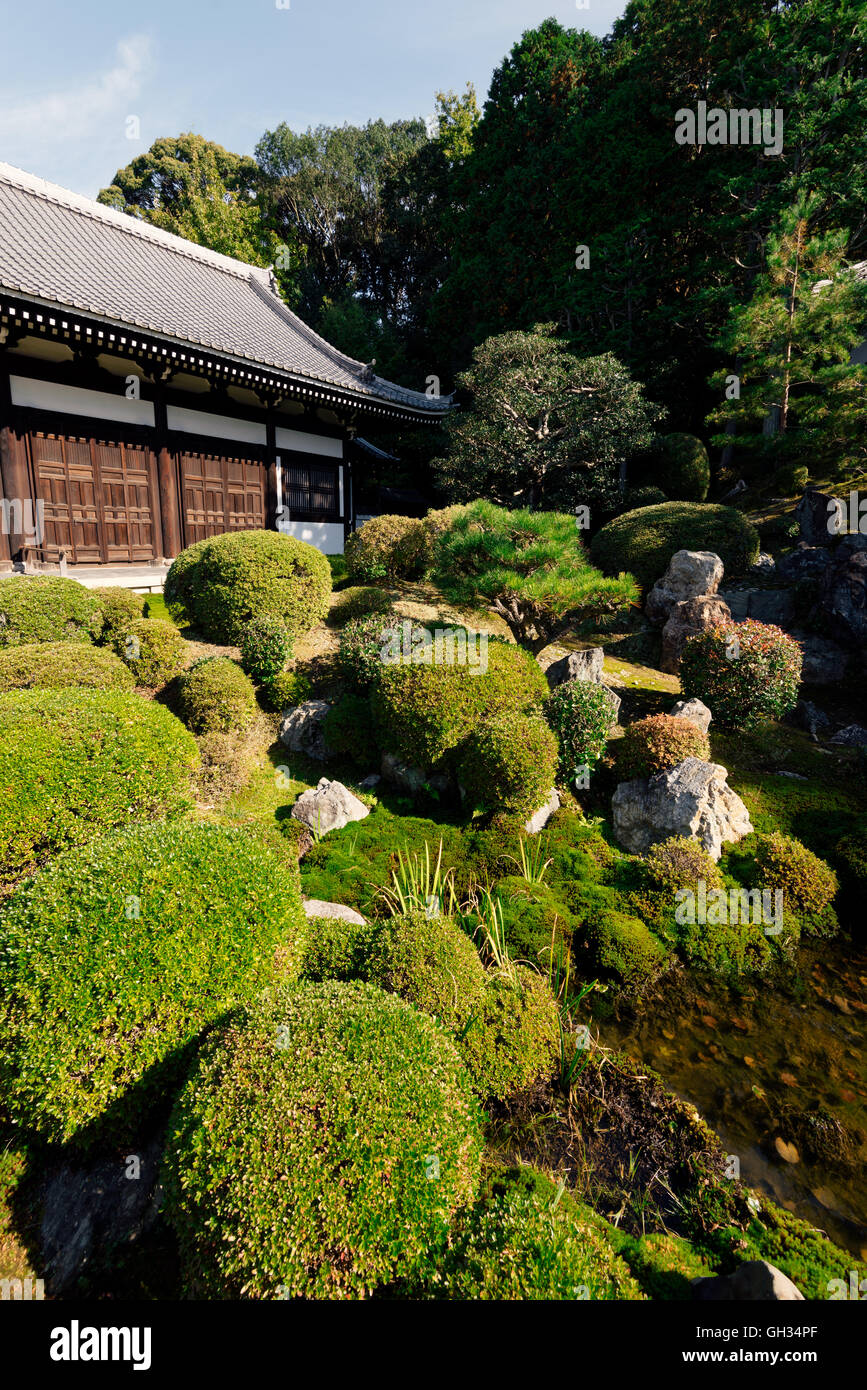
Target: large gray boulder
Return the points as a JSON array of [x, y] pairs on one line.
[[584, 665], [818, 516], [328, 806], [301, 730], [763, 605], [690, 574], [825, 663], [807, 562], [842, 604], [754, 1281], [688, 619], [692, 800], [696, 711]]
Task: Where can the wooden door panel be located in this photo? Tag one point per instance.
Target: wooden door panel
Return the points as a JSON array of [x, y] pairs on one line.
[[221, 493], [99, 498]]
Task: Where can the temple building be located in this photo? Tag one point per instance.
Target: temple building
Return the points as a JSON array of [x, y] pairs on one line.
[[153, 393]]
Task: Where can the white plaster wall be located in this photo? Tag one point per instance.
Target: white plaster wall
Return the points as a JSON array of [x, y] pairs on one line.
[[75, 400], [327, 536]]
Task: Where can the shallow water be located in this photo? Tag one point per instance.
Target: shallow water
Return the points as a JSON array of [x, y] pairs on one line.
[[773, 1062]]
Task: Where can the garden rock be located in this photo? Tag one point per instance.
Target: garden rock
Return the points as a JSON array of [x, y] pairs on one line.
[[825, 663], [692, 800], [808, 716], [690, 574], [813, 514], [95, 1208], [301, 730], [763, 605], [405, 776], [687, 619], [842, 603], [584, 665], [696, 711], [372, 780], [315, 907], [807, 562], [764, 565], [328, 806], [754, 1281], [853, 736], [540, 818]]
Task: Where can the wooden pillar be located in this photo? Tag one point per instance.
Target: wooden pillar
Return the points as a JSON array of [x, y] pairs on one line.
[[14, 483], [271, 489], [167, 479]]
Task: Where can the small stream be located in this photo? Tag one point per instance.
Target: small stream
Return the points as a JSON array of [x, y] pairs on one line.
[[779, 1071]]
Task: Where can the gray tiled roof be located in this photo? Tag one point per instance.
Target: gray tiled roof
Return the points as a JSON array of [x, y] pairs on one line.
[[64, 249]]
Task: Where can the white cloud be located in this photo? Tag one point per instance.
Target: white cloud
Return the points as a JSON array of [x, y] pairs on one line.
[[31, 128]]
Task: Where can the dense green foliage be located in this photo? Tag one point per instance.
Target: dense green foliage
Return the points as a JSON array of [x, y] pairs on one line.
[[423, 712], [622, 945], [682, 468], [153, 650], [543, 427], [60, 665], [241, 575], [808, 884], [430, 962], [357, 602], [348, 728], [530, 566], [747, 673], [279, 1142], [46, 608], [131, 946], [360, 648], [266, 646], [215, 696], [76, 762], [509, 763], [513, 1038], [643, 541], [386, 547], [657, 743], [117, 608], [581, 713]]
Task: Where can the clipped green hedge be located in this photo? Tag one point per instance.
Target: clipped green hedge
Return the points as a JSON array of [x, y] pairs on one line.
[[643, 541], [76, 762], [423, 712], [622, 945], [117, 609], [60, 666], [336, 949], [47, 608], [215, 696], [430, 962], [233, 578], [509, 763], [386, 547], [320, 1148], [153, 650], [130, 946], [682, 468], [808, 884]]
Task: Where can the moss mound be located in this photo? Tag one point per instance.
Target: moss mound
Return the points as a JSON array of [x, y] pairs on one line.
[[46, 608], [430, 962], [513, 1039], [215, 696], [61, 666], [153, 650], [643, 541]]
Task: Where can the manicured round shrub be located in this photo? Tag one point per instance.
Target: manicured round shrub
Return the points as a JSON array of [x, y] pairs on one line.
[[182, 579], [643, 541], [423, 712], [243, 575], [509, 762], [642, 497], [76, 762], [46, 608], [808, 884], [361, 646], [657, 743], [621, 945], [430, 962], [214, 696], [683, 467], [320, 1148], [128, 948], [358, 602], [386, 547], [679, 863], [434, 525], [517, 1245], [285, 690], [153, 649], [748, 673], [60, 665], [266, 645], [581, 713], [536, 922], [336, 949], [512, 1041], [117, 609], [348, 729]]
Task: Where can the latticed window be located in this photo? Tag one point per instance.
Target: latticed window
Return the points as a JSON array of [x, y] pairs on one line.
[[311, 489]]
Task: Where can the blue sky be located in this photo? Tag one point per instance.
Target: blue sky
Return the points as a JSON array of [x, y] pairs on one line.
[[72, 74]]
